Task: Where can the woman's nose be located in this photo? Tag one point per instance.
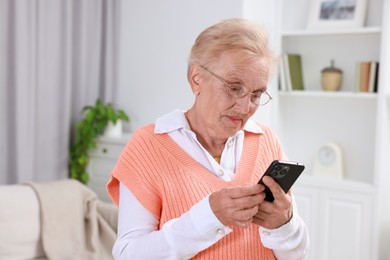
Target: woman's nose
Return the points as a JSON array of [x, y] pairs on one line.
[[243, 105]]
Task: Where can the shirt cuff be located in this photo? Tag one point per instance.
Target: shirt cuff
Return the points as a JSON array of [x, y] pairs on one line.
[[206, 222], [271, 237]]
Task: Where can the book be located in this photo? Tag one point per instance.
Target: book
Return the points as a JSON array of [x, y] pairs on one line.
[[364, 76], [371, 80], [376, 78], [282, 76], [286, 69], [295, 68], [367, 76], [357, 73]]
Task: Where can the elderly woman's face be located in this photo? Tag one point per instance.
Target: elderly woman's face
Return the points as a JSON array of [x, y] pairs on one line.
[[222, 112]]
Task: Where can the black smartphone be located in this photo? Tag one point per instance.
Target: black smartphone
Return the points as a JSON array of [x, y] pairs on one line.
[[285, 173]]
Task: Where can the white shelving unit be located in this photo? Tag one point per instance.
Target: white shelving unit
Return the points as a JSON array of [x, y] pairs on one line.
[[345, 117], [348, 218]]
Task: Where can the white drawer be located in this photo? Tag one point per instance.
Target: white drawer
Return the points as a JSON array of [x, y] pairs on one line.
[[107, 150]]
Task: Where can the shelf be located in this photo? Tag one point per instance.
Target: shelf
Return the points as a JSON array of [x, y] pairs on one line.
[[358, 31], [325, 94]]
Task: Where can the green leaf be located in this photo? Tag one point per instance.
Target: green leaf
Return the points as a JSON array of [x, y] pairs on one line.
[[98, 102], [86, 108], [84, 177], [111, 114], [122, 115], [89, 117]]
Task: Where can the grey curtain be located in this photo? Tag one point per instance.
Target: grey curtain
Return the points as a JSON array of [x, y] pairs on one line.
[[56, 56]]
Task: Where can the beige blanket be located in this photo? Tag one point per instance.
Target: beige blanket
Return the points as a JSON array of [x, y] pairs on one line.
[[75, 224]]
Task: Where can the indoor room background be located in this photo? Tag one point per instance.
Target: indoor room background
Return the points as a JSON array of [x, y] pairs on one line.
[[57, 56]]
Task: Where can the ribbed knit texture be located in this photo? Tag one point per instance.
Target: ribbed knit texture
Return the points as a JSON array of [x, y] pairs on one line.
[[168, 182]]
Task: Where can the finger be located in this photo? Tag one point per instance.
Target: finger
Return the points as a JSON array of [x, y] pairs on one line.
[[264, 216], [245, 191], [243, 224], [247, 202], [276, 190], [245, 214], [245, 217], [260, 218]]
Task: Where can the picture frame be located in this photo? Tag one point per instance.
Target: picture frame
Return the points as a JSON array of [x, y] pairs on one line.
[[336, 14]]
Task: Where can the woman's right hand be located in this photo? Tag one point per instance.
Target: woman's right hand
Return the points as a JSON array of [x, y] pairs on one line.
[[237, 206]]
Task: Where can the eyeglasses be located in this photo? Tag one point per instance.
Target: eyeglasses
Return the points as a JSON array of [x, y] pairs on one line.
[[240, 91]]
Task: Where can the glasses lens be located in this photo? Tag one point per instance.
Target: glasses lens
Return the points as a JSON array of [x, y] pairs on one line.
[[236, 91], [263, 99], [239, 91], [256, 99]]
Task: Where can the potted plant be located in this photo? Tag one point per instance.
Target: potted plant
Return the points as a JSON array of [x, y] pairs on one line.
[[95, 121]]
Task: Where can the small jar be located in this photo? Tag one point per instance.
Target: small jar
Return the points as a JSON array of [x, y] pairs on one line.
[[331, 78]]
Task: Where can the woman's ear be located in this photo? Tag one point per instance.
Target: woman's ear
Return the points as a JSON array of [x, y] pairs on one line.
[[195, 79]]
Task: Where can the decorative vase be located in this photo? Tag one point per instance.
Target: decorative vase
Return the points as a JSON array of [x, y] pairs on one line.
[[113, 130], [331, 78]]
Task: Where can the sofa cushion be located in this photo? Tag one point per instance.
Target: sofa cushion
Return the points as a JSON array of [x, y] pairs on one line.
[[19, 223]]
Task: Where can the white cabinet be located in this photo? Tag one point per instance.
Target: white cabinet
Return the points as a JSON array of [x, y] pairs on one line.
[[339, 217], [102, 160]]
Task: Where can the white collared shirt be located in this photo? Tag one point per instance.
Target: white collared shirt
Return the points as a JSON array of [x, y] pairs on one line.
[[198, 228]]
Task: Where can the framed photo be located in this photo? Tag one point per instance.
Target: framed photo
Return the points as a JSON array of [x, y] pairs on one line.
[[326, 14]]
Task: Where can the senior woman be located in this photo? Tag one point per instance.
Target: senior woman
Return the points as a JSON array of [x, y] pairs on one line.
[[187, 187]]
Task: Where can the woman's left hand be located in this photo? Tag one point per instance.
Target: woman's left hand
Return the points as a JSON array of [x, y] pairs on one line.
[[274, 214]]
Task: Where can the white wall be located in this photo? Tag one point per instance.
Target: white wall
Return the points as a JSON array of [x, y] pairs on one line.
[[156, 37]]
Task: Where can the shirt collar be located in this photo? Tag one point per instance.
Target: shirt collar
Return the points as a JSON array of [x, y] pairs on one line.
[[176, 120], [171, 122]]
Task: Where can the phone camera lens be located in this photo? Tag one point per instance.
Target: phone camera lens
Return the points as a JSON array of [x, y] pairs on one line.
[[278, 168]]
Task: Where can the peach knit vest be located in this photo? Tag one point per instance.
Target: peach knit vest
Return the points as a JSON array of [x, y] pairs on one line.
[[168, 182]]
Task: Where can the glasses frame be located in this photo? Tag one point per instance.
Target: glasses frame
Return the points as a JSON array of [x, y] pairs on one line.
[[246, 91]]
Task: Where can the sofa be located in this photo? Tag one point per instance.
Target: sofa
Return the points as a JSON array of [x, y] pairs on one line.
[[55, 220]]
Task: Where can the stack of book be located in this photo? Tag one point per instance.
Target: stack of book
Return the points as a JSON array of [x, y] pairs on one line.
[[367, 76], [290, 72]]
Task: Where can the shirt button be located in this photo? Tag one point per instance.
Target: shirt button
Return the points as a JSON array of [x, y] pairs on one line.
[[221, 232], [266, 233], [221, 173], [230, 143]]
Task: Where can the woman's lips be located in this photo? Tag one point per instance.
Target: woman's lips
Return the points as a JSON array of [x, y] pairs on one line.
[[235, 119]]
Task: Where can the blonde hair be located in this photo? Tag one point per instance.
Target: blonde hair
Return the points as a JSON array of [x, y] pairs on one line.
[[232, 34]]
